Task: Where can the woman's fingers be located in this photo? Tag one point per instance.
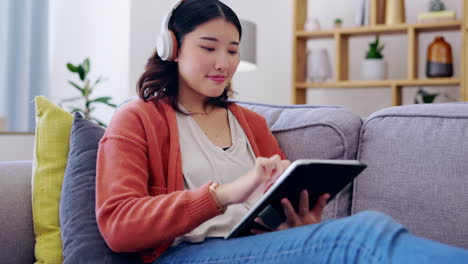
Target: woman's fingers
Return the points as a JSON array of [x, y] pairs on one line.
[[291, 216], [257, 231], [318, 208], [259, 221], [304, 203]]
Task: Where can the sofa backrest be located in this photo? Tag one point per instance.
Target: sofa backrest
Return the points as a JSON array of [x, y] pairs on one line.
[[315, 132], [16, 225], [418, 169]]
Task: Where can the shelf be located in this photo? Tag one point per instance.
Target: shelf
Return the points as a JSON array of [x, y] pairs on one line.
[[341, 50], [382, 83], [382, 29]]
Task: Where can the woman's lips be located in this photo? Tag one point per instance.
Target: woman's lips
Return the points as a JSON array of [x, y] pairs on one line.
[[217, 78]]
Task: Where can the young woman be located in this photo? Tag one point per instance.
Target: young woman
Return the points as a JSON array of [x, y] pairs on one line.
[[178, 168]]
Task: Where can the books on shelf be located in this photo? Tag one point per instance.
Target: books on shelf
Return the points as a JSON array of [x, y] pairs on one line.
[[436, 16], [359, 19]]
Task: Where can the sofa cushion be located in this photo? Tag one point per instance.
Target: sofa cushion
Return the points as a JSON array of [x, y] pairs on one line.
[[80, 234], [53, 126], [17, 235], [418, 163], [315, 132]]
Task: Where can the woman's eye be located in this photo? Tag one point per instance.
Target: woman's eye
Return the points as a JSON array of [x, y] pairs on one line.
[[233, 52], [208, 49]]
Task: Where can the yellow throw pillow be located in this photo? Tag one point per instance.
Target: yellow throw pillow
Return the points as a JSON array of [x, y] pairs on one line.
[[53, 125]]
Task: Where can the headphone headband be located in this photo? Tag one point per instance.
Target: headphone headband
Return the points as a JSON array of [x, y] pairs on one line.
[[167, 18]]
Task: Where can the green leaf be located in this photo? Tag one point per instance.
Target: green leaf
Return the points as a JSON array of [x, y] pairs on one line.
[[103, 99], [86, 65], [81, 72], [428, 99], [71, 99], [87, 89], [375, 51], [72, 67], [111, 105], [99, 80], [76, 86]]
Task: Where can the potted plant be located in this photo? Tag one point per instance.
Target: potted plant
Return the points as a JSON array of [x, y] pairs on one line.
[[338, 23], [374, 67], [86, 88], [424, 97]]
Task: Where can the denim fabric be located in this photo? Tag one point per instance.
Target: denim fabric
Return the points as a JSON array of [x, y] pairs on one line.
[[367, 237]]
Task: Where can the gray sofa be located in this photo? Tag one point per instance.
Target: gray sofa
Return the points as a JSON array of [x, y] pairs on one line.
[[417, 159]]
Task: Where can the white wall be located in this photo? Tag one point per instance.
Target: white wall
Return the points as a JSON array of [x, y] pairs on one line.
[[16, 147], [99, 30]]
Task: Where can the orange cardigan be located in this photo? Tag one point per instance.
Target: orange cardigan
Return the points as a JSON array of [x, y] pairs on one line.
[[141, 204]]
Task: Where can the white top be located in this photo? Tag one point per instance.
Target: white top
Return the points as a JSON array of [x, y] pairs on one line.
[[203, 161]]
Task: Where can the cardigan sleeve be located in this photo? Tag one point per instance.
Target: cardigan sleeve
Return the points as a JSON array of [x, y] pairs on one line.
[[131, 215]]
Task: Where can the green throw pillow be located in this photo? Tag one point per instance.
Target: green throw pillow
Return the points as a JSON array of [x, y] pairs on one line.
[[53, 126]]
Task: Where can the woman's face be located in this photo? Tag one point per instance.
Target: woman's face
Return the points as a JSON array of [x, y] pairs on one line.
[[208, 58]]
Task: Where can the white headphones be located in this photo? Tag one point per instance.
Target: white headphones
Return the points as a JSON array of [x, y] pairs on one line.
[[166, 45]]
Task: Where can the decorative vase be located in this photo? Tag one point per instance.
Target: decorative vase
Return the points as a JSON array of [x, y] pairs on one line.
[[318, 65], [312, 24], [394, 12], [374, 69], [439, 59]]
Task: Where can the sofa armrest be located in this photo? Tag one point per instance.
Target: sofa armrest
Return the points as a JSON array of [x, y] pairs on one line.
[[16, 235]]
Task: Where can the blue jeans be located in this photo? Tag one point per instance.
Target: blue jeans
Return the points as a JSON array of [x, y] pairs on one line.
[[367, 237]]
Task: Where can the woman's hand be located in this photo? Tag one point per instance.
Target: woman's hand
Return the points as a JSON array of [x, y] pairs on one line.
[[303, 217], [255, 182]]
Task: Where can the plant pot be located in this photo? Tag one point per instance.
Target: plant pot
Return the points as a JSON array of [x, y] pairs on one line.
[[374, 69]]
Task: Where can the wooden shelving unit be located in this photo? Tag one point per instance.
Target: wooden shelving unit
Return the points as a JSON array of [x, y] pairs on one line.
[[341, 38]]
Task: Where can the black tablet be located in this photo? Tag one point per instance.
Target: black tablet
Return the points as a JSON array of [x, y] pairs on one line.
[[316, 176]]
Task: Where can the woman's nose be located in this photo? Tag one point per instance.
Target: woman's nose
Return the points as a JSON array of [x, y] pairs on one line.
[[222, 62]]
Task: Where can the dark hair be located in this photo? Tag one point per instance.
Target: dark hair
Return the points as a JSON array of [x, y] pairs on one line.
[[160, 78]]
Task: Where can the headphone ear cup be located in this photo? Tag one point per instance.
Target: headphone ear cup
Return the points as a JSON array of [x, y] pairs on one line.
[[161, 46], [166, 46], [173, 44]]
